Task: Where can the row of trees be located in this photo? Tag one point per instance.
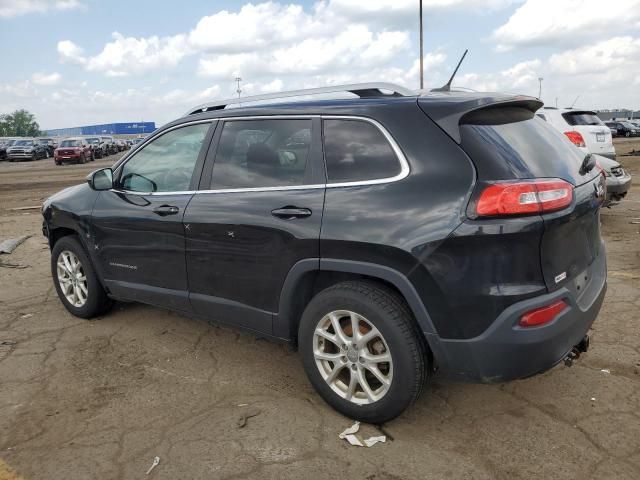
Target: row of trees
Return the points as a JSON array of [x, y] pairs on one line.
[[19, 124]]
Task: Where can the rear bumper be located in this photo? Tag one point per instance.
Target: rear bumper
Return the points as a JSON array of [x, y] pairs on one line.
[[611, 155], [507, 351], [617, 187]]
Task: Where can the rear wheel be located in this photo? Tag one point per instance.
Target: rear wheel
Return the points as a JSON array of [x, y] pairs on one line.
[[362, 352], [75, 280]]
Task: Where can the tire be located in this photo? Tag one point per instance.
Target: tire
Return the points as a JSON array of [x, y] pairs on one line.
[[96, 300], [397, 337], [58, 163], [627, 134], [34, 157], [82, 159], [93, 156]]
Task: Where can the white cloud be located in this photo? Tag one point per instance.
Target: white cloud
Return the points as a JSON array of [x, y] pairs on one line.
[[128, 55], [521, 78], [601, 58], [603, 74], [69, 52], [275, 38], [14, 8], [46, 79], [569, 22]]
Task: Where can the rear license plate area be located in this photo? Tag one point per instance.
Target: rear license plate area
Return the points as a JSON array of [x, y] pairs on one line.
[[599, 137]]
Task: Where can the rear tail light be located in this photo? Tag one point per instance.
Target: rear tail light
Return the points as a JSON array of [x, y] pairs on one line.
[[576, 138], [543, 315], [517, 198]]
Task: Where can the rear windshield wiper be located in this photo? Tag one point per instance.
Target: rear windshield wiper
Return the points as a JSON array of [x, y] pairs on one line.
[[587, 164]]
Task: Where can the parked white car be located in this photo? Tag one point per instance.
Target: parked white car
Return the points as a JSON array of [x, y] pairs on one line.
[[588, 133]]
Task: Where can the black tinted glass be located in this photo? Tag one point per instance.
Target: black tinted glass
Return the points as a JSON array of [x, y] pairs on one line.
[[526, 148], [262, 153], [356, 150], [582, 118]]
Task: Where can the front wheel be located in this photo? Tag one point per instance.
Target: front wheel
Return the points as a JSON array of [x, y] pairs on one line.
[[75, 280], [362, 352]]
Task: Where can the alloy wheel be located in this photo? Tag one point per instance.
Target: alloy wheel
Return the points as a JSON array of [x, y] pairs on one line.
[[353, 357], [72, 278]]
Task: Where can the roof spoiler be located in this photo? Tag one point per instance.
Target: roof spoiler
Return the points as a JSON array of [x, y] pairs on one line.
[[447, 110]]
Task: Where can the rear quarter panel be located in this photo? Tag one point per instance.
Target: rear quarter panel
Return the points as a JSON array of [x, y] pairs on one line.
[[402, 224]]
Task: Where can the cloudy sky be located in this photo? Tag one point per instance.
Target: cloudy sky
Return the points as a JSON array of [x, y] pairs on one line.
[[77, 62]]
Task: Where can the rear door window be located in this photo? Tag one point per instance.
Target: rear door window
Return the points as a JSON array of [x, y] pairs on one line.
[[262, 153], [356, 150]]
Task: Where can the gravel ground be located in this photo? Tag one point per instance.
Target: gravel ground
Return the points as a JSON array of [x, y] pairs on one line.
[[100, 399]]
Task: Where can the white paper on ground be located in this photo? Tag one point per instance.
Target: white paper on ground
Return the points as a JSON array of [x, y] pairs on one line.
[[351, 430], [349, 436], [353, 440], [370, 442]]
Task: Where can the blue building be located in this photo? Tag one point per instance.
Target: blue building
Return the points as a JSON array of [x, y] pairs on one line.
[[128, 128]]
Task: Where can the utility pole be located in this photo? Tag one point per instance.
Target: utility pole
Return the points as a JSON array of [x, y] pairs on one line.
[[540, 87], [421, 51], [238, 90]]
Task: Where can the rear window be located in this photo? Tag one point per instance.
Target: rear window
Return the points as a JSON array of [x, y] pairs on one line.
[[582, 118], [355, 150], [511, 143]]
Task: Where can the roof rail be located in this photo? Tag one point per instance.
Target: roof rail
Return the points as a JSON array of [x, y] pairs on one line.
[[363, 90]]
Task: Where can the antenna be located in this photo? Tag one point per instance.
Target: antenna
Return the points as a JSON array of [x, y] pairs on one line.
[[574, 102], [447, 86]]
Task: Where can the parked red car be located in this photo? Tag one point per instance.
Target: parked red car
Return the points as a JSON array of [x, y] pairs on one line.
[[73, 149]]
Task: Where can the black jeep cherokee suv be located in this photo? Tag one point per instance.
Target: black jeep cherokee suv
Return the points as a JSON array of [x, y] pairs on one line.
[[389, 236]]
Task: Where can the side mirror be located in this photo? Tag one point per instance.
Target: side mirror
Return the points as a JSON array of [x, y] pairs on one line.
[[101, 179]]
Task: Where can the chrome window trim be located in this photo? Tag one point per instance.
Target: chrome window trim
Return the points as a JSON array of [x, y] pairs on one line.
[[402, 160], [404, 164], [145, 194]]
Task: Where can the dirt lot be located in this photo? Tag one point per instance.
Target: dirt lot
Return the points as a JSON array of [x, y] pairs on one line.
[[100, 399]]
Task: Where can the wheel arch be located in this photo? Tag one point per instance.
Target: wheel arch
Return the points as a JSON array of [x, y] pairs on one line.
[[59, 232], [308, 277]]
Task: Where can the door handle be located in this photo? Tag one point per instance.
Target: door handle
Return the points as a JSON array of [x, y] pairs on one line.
[[289, 213], [164, 210]]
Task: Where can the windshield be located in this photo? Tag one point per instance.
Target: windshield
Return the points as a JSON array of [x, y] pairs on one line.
[[628, 125], [70, 143], [23, 143], [582, 118]]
